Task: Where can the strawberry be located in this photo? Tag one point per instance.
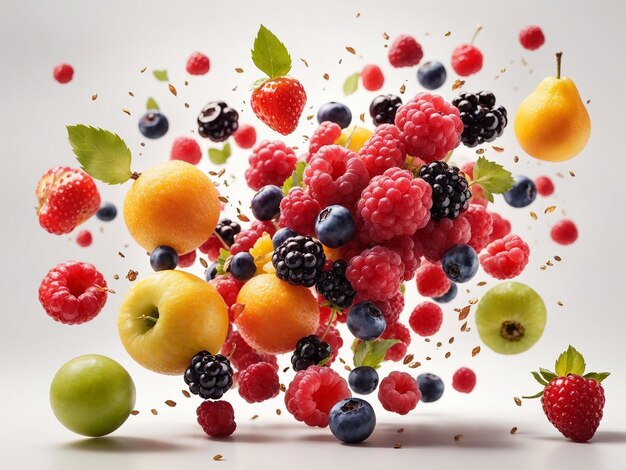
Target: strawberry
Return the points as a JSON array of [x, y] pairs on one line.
[[573, 402], [67, 197]]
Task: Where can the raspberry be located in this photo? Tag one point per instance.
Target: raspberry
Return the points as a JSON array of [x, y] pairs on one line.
[[187, 260], [376, 273], [236, 348], [394, 204], [244, 241], [564, 232], [255, 357], [258, 382], [187, 150], [500, 227], [217, 418], [426, 319], [405, 247], [431, 280], [405, 51], [299, 261], [73, 292], [335, 175], [228, 287], [271, 162], [245, 136], [467, 60], [477, 190], [209, 376], [430, 127], [198, 64], [399, 392], [481, 225], [391, 308], [464, 380], [384, 150], [298, 211], [84, 238], [264, 226], [531, 38], [372, 77], [450, 190], [326, 312], [325, 134], [400, 332], [211, 247], [63, 73], [312, 394], [333, 338], [334, 286], [505, 258], [544, 185], [437, 237]]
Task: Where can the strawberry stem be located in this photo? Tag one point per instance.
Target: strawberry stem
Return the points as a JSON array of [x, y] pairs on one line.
[[559, 55], [333, 313]]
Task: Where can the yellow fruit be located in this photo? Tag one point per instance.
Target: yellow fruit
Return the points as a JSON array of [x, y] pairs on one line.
[[275, 314], [172, 204], [168, 317], [552, 123], [262, 252], [357, 136]]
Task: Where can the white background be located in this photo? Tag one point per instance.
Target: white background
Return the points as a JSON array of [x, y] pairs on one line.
[[109, 42]]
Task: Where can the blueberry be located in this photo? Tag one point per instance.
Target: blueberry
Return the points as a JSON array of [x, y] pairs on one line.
[[163, 258], [107, 212], [460, 263], [365, 321], [431, 75], [266, 202], [448, 296], [335, 112], [352, 420], [430, 386], [334, 226], [211, 272], [522, 193], [242, 266], [153, 125], [281, 235], [363, 380]]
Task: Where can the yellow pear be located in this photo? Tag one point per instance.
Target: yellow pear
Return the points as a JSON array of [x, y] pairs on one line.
[[552, 123]]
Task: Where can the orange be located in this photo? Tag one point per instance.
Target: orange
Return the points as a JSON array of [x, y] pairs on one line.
[[172, 204], [275, 314]]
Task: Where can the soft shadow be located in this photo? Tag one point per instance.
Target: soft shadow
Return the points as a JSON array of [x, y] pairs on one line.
[[120, 444], [605, 437]]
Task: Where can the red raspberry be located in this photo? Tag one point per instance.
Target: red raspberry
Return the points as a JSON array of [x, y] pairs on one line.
[[481, 226], [187, 150], [73, 292], [217, 418], [228, 287], [212, 247], [245, 136], [398, 331], [376, 273], [544, 185], [254, 357], [505, 258], [313, 392], [531, 38], [198, 64], [564, 232], [235, 347], [477, 190], [384, 150], [391, 308], [325, 134], [271, 162], [464, 380], [394, 204], [244, 240], [326, 311], [426, 319], [467, 60], [405, 247], [298, 211], [84, 238], [405, 51], [187, 260], [501, 227], [264, 226], [430, 127], [439, 236], [398, 392], [258, 382], [333, 338], [431, 280], [63, 73], [372, 77], [335, 175]]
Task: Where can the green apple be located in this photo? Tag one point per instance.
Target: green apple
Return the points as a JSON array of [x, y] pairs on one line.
[[92, 395]]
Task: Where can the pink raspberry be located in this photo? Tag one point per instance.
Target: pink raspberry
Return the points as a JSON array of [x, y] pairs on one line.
[[84, 239], [439, 236], [426, 319], [217, 418], [431, 280], [211, 247], [313, 392], [564, 232], [405, 247], [187, 150], [398, 331], [235, 347], [430, 127], [271, 162], [376, 273], [405, 51], [245, 240], [298, 211], [394, 204], [399, 393], [544, 185], [333, 338], [325, 134], [531, 38], [245, 136], [228, 287], [335, 175], [500, 227], [255, 357], [384, 150], [481, 226], [187, 260], [63, 73], [464, 380], [372, 77], [264, 226], [198, 64], [258, 382], [505, 258]]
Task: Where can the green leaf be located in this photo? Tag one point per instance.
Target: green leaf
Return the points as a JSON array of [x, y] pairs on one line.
[[487, 195], [160, 75], [597, 376], [221, 261], [219, 156], [538, 378], [492, 176], [530, 397], [101, 153], [351, 84], [547, 374], [360, 350], [570, 362], [270, 55], [151, 104], [296, 178], [402, 288], [372, 353]]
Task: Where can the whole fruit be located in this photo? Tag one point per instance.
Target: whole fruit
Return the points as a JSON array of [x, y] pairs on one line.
[[448, 296], [460, 263], [153, 124], [363, 380], [352, 420], [334, 226], [366, 321], [335, 112], [431, 75], [242, 266], [107, 212], [281, 235], [266, 202], [163, 257], [431, 387], [279, 103], [522, 194], [92, 395]]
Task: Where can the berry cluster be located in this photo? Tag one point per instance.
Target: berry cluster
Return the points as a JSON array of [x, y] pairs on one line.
[[482, 119]]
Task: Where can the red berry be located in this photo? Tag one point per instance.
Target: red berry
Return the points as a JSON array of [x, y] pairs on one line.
[[481, 225], [187, 260], [426, 319], [439, 236], [333, 338], [383, 150], [405, 247], [73, 292], [325, 134], [467, 60], [376, 273], [431, 280], [211, 247], [217, 418], [399, 392], [84, 238], [279, 103], [544, 185], [228, 287], [258, 382], [245, 136], [245, 240], [564, 232], [271, 162], [500, 227], [531, 38], [255, 357], [464, 380], [398, 331], [198, 64], [187, 150], [505, 258], [63, 73], [405, 51], [372, 77], [298, 211]]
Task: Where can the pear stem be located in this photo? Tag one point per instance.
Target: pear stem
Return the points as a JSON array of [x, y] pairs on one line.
[[478, 30], [558, 64]]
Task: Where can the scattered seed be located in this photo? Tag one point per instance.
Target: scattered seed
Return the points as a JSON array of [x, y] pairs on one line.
[[559, 303], [341, 360], [340, 61], [125, 110], [515, 159], [458, 437], [481, 283], [549, 210], [427, 340], [278, 412], [185, 393], [513, 429], [385, 36], [480, 151], [503, 69], [306, 64], [132, 275], [172, 89], [397, 445], [130, 93], [171, 403], [254, 417], [543, 267], [451, 340], [448, 354], [116, 276], [438, 344], [524, 63], [400, 430], [475, 351], [464, 327], [326, 76], [415, 365], [243, 218], [350, 50], [428, 358], [309, 117], [362, 117], [448, 34], [94, 97], [134, 412], [533, 215], [143, 69], [458, 84], [557, 258], [283, 388], [497, 149], [218, 457], [223, 199], [549, 263], [186, 105], [186, 83], [357, 15], [517, 401], [402, 89], [154, 412], [464, 312], [347, 367], [203, 263], [588, 101], [572, 174], [408, 358], [239, 70], [472, 301]]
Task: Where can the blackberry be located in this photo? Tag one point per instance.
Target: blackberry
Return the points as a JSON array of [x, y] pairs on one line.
[[217, 121], [299, 261], [334, 286], [310, 351], [451, 193], [227, 229], [483, 120], [209, 376], [383, 109]]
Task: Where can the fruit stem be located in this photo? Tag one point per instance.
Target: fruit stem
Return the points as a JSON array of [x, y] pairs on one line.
[[478, 30], [558, 64], [226, 247], [135, 175], [333, 313]]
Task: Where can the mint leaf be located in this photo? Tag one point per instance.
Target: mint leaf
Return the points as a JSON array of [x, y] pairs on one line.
[[570, 362], [221, 261], [101, 153], [493, 177], [351, 84], [597, 376], [372, 353], [296, 178], [151, 104], [539, 378], [547, 375], [161, 75], [219, 156], [359, 352], [270, 55]]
